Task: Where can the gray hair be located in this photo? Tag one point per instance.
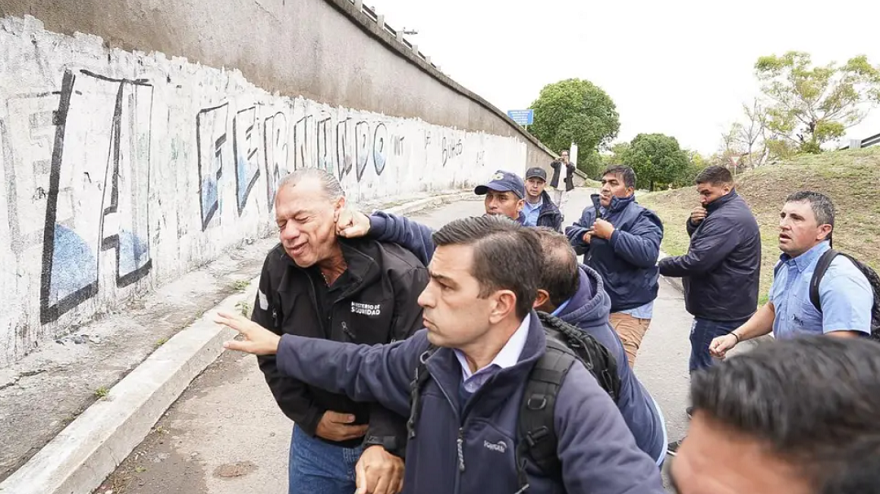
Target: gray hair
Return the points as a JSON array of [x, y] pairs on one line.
[[328, 182], [821, 205]]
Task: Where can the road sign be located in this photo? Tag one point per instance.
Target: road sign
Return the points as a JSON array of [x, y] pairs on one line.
[[522, 117]]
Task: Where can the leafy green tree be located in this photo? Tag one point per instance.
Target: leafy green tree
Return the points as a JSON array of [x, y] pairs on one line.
[[575, 110], [656, 159], [590, 163], [811, 105]]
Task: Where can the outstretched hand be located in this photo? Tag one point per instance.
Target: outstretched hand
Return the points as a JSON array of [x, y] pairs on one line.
[[352, 223], [257, 339]]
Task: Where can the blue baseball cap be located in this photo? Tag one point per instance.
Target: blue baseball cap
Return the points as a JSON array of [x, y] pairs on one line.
[[503, 181]]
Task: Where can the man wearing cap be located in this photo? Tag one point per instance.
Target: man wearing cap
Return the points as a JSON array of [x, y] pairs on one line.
[[538, 208], [504, 195]]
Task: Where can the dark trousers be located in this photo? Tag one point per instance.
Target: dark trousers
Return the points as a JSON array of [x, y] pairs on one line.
[[703, 331]]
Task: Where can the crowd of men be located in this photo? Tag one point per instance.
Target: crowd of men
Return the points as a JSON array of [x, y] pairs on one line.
[[437, 361]]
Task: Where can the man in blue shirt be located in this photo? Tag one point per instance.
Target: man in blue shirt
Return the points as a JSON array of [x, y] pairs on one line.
[[845, 295], [538, 208]]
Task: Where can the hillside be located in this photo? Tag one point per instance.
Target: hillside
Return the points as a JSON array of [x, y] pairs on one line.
[[850, 178]]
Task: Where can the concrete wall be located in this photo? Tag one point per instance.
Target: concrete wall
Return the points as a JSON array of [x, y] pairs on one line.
[[123, 170]]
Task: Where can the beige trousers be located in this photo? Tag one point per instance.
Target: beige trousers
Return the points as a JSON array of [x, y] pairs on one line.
[[631, 330]]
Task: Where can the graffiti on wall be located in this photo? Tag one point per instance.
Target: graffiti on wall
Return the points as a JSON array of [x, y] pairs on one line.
[[94, 183], [90, 184]]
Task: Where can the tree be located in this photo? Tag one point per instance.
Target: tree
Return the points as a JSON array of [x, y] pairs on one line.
[[746, 143], [656, 159], [591, 163], [813, 105], [574, 110]]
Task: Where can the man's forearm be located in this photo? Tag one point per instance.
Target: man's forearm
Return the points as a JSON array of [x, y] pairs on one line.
[[759, 324]]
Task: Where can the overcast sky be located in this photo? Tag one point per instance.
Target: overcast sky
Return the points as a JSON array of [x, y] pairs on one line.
[[676, 67]]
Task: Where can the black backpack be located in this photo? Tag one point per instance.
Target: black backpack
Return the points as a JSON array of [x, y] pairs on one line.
[[536, 436], [873, 279]]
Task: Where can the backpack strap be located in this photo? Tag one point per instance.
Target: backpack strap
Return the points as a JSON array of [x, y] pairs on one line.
[[536, 434], [821, 267], [420, 377]]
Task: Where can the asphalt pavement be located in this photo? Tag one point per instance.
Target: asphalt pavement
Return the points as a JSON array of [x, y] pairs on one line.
[[226, 435]]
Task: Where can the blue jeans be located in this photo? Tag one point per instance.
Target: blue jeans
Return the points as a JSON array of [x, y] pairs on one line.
[[703, 331], [317, 467]]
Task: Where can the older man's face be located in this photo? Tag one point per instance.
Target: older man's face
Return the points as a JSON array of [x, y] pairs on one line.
[[306, 218]]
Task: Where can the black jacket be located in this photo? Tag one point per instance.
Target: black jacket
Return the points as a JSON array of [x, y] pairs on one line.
[[378, 305], [569, 179], [722, 269], [549, 216]]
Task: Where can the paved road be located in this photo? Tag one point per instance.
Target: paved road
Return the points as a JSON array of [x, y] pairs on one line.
[[225, 435]]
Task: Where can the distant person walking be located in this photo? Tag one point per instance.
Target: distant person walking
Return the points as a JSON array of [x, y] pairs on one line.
[[843, 293], [721, 270], [563, 170]]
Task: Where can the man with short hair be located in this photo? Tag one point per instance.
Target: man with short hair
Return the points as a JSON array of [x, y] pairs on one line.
[[576, 294], [620, 239], [562, 169], [504, 195], [722, 268], [795, 416], [806, 225], [481, 343], [539, 209], [318, 285]]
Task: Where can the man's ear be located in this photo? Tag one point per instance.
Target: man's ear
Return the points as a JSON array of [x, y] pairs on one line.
[[338, 207], [520, 204], [824, 232], [505, 304], [541, 300]]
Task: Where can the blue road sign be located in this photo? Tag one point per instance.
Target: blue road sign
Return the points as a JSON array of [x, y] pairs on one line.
[[522, 117]]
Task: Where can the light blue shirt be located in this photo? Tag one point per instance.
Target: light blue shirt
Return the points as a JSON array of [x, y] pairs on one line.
[[532, 211], [642, 312], [845, 296], [507, 357]]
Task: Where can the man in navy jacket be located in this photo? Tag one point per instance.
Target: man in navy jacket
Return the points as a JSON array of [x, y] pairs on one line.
[[576, 295], [477, 312], [621, 240], [722, 268]]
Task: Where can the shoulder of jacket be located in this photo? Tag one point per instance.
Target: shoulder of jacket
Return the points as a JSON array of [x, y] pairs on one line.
[[397, 259]]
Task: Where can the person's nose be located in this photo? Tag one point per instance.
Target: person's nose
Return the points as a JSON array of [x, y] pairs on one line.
[[290, 231], [426, 298]]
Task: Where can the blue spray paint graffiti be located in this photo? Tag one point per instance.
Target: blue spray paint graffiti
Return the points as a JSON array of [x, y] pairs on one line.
[[244, 145], [210, 140], [275, 151], [98, 189]]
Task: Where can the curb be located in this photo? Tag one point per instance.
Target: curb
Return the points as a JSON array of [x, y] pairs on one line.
[[82, 455]]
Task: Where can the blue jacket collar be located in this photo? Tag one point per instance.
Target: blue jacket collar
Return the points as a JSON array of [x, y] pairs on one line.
[[617, 203], [590, 304], [446, 370], [721, 201]]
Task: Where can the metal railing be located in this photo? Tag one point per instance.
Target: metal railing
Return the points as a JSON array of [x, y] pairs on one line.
[[862, 143], [380, 19]]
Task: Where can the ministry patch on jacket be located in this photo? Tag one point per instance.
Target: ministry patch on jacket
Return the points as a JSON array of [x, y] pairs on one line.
[[365, 309]]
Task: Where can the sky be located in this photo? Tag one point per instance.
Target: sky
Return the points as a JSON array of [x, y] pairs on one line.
[[677, 67]]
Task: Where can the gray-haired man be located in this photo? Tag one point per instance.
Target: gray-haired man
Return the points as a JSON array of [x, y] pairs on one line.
[[318, 285]]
